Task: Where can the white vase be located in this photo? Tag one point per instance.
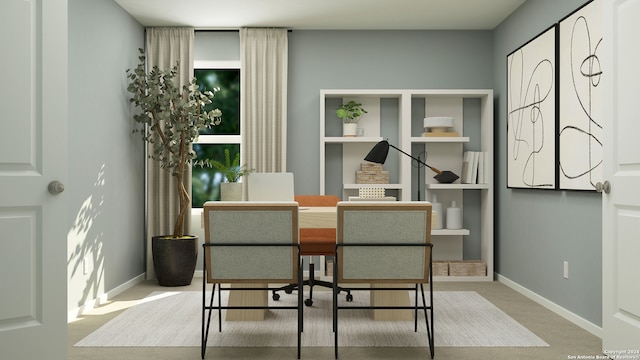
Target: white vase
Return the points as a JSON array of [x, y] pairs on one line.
[[436, 213], [349, 129], [454, 217], [231, 191]]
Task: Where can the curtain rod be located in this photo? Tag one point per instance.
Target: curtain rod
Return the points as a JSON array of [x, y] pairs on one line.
[[224, 30]]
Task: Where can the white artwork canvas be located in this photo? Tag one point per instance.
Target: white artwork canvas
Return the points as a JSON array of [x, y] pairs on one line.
[[581, 123], [531, 113]]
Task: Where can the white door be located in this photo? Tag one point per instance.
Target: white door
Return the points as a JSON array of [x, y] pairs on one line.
[[33, 138], [621, 207]]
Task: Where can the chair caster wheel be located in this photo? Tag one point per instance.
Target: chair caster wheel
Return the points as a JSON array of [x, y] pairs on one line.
[[308, 302], [288, 291], [276, 297], [349, 297]]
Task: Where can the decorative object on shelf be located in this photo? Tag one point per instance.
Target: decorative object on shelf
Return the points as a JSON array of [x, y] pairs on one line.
[[350, 113], [440, 268], [440, 134], [467, 268], [371, 174], [371, 192], [438, 124], [474, 167], [454, 217], [349, 130], [378, 154], [437, 216]]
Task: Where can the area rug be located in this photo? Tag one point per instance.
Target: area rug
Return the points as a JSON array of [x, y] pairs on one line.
[[167, 319]]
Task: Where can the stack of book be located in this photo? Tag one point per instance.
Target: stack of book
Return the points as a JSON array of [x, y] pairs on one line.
[[371, 173], [474, 167]]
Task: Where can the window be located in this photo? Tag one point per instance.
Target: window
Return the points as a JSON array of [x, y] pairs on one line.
[[212, 142]]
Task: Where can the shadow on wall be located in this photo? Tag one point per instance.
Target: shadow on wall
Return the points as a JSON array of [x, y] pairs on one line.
[[86, 253]]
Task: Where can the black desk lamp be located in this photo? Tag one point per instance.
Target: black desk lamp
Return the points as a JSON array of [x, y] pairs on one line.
[[379, 155]]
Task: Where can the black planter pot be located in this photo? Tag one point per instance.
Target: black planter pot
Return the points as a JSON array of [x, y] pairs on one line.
[[174, 260]]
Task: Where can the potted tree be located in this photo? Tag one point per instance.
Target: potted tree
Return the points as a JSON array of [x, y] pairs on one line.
[[231, 190], [170, 119], [350, 113]]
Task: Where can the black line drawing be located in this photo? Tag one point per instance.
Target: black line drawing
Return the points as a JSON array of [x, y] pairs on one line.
[[580, 134], [531, 113]]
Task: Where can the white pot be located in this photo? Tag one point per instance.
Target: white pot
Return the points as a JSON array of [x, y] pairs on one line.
[[231, 191], [349, 129]]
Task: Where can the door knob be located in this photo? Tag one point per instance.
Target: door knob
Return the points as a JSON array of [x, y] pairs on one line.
[[55, 187], [606, 187]]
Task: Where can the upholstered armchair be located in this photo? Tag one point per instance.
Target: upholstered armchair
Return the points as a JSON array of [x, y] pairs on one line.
[[249, 243], [384, 243]]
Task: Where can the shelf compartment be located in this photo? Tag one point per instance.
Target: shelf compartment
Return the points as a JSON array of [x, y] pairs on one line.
[[362, 139], [386, 186], [448, 232], [426, 139], [457, 186]]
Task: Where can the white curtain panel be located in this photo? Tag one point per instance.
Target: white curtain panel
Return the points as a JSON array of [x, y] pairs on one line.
[[264, 61], [165, 47]]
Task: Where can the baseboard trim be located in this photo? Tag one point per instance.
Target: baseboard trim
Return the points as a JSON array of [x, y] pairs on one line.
[[577, 320], [90, 304]]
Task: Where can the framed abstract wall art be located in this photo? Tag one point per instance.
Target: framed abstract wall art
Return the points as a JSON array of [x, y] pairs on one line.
[[531, 113], [580, 123]]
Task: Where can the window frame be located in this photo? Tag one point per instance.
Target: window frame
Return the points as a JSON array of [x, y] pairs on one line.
[[219, 139]]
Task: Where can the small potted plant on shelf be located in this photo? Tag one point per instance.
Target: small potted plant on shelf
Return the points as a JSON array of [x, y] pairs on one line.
[[230, 190], [170, 118], [350, 113]]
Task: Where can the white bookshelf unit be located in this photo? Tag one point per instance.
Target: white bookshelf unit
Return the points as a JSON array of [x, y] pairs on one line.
[[397, 116]]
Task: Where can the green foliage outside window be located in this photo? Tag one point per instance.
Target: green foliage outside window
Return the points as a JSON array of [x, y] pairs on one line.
[[227, 99], [206, 180]]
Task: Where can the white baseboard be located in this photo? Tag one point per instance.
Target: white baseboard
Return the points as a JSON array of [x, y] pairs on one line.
[[579, 321], [90, 304]]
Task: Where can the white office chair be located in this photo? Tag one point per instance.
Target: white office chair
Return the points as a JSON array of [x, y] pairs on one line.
[[276, 186]]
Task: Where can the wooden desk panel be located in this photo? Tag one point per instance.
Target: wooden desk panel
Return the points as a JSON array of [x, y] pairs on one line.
[[317, 217]]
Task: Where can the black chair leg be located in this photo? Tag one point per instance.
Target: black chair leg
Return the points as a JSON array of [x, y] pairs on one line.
[[206, 313]]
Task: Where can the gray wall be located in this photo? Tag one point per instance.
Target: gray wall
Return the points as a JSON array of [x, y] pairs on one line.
[[536, 230], [361, 60], [372, 60], [106, 176]]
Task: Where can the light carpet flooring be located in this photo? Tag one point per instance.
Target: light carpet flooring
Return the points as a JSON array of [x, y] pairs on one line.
[[564, 338], [171, 318]]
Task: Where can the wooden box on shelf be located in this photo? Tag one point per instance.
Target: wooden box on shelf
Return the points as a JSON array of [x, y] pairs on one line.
[[440, 268], [371, 173], [467, 268]]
